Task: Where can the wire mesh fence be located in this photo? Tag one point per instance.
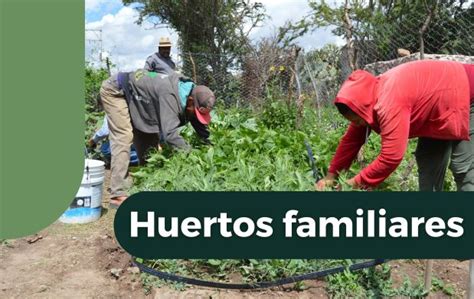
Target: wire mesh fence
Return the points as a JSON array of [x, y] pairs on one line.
[[271, 72], [93, 46]]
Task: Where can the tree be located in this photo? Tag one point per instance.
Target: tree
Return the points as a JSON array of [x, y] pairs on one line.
[[373, 29], [218, 29], [93, 80]]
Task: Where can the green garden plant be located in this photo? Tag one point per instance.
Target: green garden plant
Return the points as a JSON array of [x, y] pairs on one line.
[[265, 153]]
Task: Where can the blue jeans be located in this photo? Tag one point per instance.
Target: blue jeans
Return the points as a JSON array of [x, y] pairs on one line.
[[105, 151]]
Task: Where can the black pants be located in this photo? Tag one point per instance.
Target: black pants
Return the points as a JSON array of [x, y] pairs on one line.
[[145, 143], [433, 157]]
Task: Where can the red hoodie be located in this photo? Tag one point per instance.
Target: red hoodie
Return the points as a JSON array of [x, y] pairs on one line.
[[416, 99]]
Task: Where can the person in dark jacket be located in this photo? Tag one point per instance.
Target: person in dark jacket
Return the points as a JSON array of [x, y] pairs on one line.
[[161, 62], [143, 105]]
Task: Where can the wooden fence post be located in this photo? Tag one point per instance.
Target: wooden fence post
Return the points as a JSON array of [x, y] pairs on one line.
[[428, 274], [470, 294]]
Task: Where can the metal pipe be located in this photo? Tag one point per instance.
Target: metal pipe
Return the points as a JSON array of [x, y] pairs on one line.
[[313, 81]]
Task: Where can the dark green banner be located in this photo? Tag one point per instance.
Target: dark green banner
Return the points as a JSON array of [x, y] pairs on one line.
[[297, 225]]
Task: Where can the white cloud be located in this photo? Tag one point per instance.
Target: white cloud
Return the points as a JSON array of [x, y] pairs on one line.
[[148, 41], [281, 11], [128, 43], [97, 5]]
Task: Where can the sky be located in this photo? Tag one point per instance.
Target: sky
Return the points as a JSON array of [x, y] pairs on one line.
[[128, 44]]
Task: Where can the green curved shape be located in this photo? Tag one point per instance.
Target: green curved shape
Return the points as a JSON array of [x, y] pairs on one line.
[[42, 112]]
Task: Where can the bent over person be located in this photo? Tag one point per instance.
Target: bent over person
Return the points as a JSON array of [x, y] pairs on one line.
[[141, 106], [432, 100]]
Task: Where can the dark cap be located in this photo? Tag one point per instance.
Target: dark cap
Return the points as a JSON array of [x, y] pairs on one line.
[[204, 100]]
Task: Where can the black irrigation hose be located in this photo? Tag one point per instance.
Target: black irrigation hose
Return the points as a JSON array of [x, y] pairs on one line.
[[311, 160], [257, 285]]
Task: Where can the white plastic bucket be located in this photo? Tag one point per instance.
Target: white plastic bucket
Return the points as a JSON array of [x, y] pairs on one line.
[[87, 205]]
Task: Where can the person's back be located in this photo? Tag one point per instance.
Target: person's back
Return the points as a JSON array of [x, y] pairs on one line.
[[422, 96], [159, 105], [438, 106]]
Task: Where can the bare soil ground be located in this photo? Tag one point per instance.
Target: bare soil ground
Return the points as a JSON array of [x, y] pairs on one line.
[[85, 261]]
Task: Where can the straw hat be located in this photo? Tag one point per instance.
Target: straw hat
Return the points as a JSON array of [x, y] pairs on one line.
[[164, 42]]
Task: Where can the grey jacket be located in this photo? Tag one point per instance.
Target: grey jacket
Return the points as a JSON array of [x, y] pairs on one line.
[[155, 106], [158, 64]]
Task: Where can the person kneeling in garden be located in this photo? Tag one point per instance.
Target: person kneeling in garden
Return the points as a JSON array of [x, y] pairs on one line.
[[102, 135], [143, 105], [432, 100]]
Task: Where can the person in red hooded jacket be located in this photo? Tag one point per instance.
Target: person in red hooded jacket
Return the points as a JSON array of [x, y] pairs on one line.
[[431, 100]]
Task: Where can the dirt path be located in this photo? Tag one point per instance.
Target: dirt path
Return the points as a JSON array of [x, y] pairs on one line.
[[84, 261]]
